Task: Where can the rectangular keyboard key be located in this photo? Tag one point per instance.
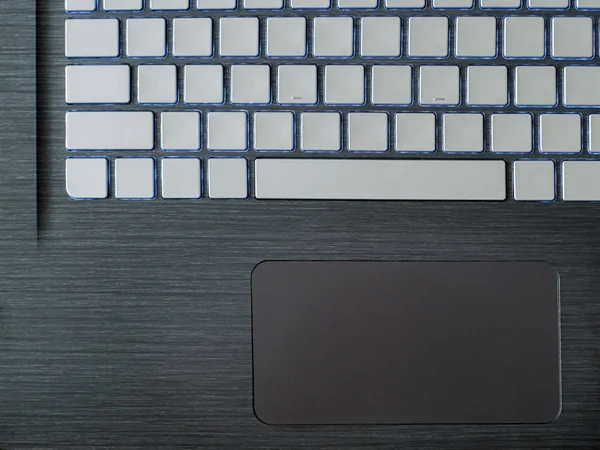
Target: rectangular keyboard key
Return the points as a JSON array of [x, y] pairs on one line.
[[123, 5], [216, 4], [587, 4], [263, 4], [548, 4], [92, 38], [405, 4], [581, 180], [594, 133], [110, 130], [98, 84], [357, 4], [354, 179], [169, 5], [500, 4], [80, 5], [311, 4]]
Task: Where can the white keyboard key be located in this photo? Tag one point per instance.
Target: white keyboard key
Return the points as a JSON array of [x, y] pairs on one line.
[[169, 5], [228, 178], [274, 131], [98, 84], [572, 37], [581, 87], [453, 4], [534, 180], [297, 84], [524, 37], [581, 180], [548, 4], [512, 133], [587, 4], [344, 85], [181, 178], [203, 84], [157, 84], [428, 37], [368, 132], [402, 4], [383, 179], [263, 4], [216, 4], [192, 37], [92, 38], [500, 4], [594, 133], [321, 132], [380, 36], [358, 4], [333, 37], [535, 86], [463, 133], [146, 37], [415, 132], [180, 131], [135, 178], [81, 5], [239, 36], [228, 131], [560, 133], [391, 85], [310, 4], [250, 84], [109, 130], [476, 37], [286, 36], [487, 85], [439, 85], [87, 178], [123, 5]]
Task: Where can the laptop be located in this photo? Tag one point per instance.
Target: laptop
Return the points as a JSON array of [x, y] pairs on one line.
[[299, 223]]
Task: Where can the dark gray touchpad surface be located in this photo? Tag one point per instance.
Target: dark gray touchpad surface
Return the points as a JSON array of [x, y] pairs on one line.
[[398, 342]]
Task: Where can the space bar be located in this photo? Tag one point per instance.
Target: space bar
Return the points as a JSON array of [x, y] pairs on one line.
[[368, 179]]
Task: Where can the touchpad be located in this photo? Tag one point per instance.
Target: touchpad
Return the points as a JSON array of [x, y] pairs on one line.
[[403, 342]]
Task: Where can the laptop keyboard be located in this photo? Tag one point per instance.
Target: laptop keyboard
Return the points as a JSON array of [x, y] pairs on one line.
[[332, 99]]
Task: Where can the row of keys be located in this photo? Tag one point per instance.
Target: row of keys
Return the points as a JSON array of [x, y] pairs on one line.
[[183, 5], [182, 178], [524, 37], [250, 84], [135, 178], [276, 131]]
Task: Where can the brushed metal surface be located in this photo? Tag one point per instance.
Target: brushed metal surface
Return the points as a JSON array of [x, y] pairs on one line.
[[128, 325]]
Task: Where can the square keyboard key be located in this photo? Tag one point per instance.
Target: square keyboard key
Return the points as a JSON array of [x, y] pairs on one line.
[[368, 132], [428, 37], [415, 132], [87, 178], [228, 178], [180, 131], [512, 133], [321, 132], [181, 178], [274, 131], [228, 131], [135, 178], [439, 85], [463, 133]]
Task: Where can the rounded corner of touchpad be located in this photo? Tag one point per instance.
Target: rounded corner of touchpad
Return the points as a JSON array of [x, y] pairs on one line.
[[405, 342]]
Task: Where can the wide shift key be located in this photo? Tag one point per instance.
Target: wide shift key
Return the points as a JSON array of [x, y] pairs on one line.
[[110, 130]]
